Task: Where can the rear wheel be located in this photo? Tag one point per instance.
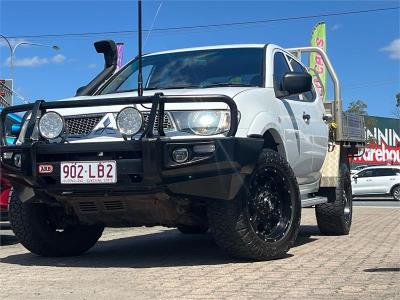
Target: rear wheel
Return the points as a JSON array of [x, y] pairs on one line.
[[335, 218], [35, 229], [396, 193], [193, 229], [263, 221]]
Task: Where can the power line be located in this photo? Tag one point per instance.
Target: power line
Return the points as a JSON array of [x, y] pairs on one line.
[[206, 26], [370, 84]]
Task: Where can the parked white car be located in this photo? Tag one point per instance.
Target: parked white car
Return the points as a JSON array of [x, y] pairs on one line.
[[357, 169], [382, 180]]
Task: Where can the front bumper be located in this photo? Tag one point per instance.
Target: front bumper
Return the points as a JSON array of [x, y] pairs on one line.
[[143, 166]]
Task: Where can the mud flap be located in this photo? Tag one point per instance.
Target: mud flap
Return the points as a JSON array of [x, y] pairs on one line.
[[330, 168]]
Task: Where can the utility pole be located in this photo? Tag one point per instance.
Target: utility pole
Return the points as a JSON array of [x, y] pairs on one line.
[[12, 55]]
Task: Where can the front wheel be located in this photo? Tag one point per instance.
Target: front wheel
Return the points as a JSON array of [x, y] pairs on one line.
[[263, 221], [35, 229]]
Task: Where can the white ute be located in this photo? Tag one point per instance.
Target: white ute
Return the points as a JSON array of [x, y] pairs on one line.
[[231, 138]]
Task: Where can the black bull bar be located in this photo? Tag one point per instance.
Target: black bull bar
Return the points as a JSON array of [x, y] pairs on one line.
[[219, 175]]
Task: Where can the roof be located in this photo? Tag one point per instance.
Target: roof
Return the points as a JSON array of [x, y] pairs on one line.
[[382, 167], [210, 48]]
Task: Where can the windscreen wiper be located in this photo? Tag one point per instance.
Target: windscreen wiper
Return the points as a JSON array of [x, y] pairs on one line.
[[221, 84]]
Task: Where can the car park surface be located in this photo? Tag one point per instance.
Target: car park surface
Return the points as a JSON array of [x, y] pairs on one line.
[[144, 263]]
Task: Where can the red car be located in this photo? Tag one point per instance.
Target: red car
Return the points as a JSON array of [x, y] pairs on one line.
[[4, 195]]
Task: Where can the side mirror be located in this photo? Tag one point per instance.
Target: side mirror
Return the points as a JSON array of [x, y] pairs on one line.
[[16, 129], [296, 83], [79, 90], [355, 176]]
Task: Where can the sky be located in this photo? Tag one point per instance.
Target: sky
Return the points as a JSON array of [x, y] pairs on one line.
[[364, 48]]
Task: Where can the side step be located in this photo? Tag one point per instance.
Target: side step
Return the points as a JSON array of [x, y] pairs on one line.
[[307, 202]]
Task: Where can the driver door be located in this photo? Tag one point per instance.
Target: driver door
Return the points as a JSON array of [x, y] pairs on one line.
[[298, 133]]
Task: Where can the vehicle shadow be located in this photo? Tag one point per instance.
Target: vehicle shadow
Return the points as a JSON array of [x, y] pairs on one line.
[[163, 249]]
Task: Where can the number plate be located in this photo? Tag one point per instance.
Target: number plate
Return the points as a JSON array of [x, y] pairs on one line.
[[88, 172]]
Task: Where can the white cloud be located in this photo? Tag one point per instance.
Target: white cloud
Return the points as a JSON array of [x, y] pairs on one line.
[[13, 42], [393, 49], [92, 66], [28, 61], [35, 61], [59, 58], [336, 27]]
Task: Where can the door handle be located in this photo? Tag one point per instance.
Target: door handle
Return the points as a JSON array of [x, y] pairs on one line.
[[369, 180], [306, 117]]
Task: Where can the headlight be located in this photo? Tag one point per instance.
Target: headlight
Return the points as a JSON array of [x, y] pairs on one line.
[[204, 122], [51, 125], [129, 121]]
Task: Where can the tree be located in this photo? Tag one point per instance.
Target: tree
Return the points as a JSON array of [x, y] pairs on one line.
[[358, 107], [396, 112]]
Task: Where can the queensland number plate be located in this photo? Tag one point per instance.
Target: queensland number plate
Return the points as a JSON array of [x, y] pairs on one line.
[[88, 172]]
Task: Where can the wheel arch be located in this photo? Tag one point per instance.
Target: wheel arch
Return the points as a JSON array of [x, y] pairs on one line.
[[393, 187], [273, 140]]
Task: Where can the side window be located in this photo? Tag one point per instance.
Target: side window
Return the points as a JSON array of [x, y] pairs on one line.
[[308, 96], [386, 172], [366, 173], [280, 68]]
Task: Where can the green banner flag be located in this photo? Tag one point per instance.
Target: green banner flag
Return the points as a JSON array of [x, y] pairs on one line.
[[318, 39]]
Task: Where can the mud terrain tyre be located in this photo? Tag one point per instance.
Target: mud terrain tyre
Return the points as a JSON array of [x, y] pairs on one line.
[[335, 218], [263, 221], [192, 229], [34, 230]]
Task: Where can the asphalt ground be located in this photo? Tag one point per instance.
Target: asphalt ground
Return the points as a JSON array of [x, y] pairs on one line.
[[161, 263]]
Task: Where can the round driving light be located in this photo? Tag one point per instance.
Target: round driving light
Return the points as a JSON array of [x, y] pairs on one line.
[[129, 121], [51, 125], [180, 155]]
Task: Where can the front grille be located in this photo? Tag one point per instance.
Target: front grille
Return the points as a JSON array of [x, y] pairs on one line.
[[113, 205], [167, 122], [87, 206], [82, 125]]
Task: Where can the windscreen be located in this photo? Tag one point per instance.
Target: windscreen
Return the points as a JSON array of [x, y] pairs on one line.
[[193, 69]]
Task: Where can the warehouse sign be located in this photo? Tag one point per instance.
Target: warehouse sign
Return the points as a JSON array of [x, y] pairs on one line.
[[384, 142], [5, 92]]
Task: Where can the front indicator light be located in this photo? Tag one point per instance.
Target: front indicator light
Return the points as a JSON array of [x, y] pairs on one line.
[[206, 148]]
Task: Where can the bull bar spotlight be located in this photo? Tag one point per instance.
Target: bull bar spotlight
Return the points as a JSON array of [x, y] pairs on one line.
[[51, 125], [129, 121]]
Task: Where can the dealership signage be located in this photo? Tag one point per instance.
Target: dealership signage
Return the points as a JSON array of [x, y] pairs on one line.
[[384, 142], [5, 92]]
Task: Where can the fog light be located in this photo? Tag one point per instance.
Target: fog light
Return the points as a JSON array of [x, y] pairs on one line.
[[206, 148], [17, 160], [7, 155], [129, 121], [180, 155], [51, 125]]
